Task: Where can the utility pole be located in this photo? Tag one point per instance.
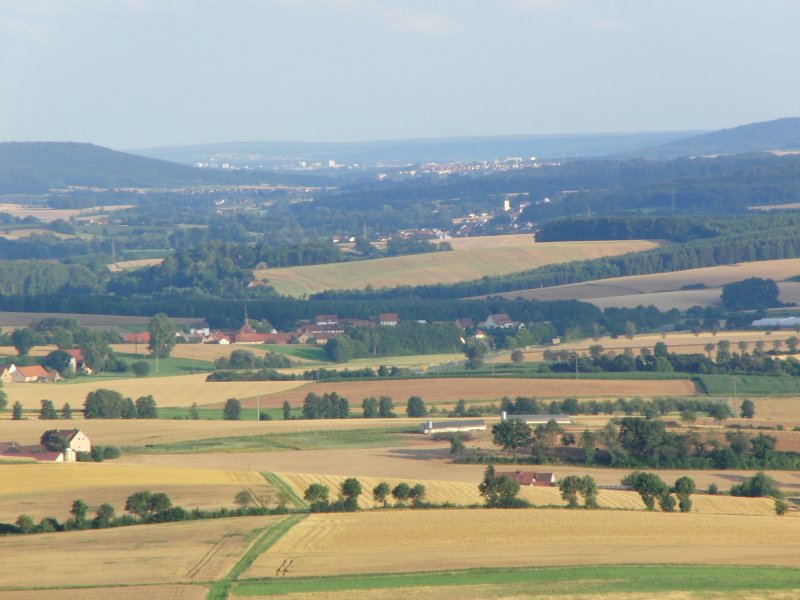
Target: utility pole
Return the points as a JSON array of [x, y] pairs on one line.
[[258, 407], [576, 364]]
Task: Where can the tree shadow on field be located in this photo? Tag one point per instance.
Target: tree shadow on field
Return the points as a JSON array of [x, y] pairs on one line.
[[418, 453]]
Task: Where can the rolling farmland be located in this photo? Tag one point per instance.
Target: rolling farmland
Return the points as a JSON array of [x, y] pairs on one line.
[[472, 260], [456, 539], [663, 290]]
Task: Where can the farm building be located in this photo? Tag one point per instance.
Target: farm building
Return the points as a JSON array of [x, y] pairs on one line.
[[11, 373], [530, 477], [538, 419], [451, 426], [78, 441], [782, 323], [35, 452], [142, 337]]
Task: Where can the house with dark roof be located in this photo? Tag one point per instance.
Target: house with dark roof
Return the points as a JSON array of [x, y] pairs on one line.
[[77, 440], [529, 478]]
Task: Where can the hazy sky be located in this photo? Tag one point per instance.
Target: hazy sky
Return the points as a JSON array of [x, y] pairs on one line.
[[140, 73]]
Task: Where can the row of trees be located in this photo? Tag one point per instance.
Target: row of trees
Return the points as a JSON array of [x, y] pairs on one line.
[[110, 404], [317, 495]]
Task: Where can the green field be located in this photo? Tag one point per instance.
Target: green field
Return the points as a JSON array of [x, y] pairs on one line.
[[745, 385], [215, 414], [304, 351], [595, 580], [300, 440]]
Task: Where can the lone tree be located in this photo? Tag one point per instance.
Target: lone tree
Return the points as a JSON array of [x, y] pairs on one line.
[[140, 368], [517, 356], [401, 492], [512, 434], [287, 410], [146, 408], [16, 411], [572, 485], [475, 349], [66, 411], [747, 409], [317, 497], [381, 492], [683, 488], [232, 410], [23, 340], [351, 490], [162, 335], [416, 407], [48, 410]]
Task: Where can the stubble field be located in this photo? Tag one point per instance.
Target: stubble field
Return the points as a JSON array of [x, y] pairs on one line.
[[459, 539], [466, 494], [145, 554], [45, 489], [472, 261], [179, 391]]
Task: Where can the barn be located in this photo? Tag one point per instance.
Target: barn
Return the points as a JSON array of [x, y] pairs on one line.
[[452, 426]]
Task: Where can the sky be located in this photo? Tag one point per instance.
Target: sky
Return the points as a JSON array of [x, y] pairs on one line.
[[145, 73]]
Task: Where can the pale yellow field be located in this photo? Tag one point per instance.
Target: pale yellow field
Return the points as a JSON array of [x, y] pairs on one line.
[[680, 342], [152, 554], [397, 541], [16, 234], [428, 460], [51, 214], [42, 490], [471, 262], [179, 391], [465, 494], [479, 389], [129, 592], [664, 289]]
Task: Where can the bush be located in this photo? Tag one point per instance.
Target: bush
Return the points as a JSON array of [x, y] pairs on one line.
[[140, 368]]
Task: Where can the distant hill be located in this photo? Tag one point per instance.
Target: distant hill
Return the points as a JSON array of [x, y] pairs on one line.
[[268, 154], [780, 134], [36, 167]]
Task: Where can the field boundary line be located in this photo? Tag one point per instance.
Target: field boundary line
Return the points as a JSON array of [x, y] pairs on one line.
[[283, 486], [220, 589], [612, 578], [212, 552]]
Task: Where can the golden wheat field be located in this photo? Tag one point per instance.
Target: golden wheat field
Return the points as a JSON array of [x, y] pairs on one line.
[[178, 391], [130, 265], [128, 592], [478, 389], [152, 554], [42, 490], [465, 494], [470, 262], [396, 541]]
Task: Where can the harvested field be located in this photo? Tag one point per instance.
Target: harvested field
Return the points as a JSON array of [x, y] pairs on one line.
[[680, 342], [178, 391], [431, 461], [143, 554], [479, 389], [664, 289], [17, 234], [139, 432], [465, 494], [129, 592], [441, 267], [459, 539], [42, 490]]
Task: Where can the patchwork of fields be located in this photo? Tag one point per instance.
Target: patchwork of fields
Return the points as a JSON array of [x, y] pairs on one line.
[[466, 262]]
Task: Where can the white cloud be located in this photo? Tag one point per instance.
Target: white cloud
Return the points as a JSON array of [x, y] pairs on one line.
[[420, 22]]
